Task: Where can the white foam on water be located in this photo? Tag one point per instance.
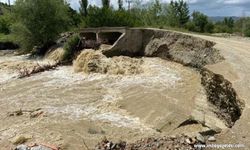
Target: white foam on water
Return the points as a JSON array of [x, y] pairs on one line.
[[155, 74], [6, 76], [118, 120], [112, 95], [73, 111], [61, 76], [13, 58], [79, 112]]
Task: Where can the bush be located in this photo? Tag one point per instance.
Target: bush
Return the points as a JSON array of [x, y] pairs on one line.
[[99, 17], [247, 30], [4, 25], [71, 47], [200, 21], [39, 22], [209, 28], [22, 36], [222, 28], [190, 26]]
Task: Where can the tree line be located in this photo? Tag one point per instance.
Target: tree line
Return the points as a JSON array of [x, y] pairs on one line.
[[39, 22]]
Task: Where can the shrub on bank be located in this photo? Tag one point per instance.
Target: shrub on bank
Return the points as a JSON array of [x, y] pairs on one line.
[[247, 29], [39, 22], [4, 24], [70, 47], [99, 17]]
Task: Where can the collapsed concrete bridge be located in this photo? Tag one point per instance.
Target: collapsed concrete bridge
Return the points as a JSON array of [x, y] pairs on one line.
[[154, 43], [184, 49]]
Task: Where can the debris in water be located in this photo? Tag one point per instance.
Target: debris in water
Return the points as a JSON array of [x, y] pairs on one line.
[[33, 113], [26, 72]]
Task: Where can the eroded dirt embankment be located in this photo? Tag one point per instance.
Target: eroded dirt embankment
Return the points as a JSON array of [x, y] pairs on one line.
[[222, 96]]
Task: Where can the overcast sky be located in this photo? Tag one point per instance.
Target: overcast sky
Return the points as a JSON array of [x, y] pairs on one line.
[[209, 7]]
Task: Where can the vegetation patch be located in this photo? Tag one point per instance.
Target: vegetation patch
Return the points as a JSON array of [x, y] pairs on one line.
[[71, 47]]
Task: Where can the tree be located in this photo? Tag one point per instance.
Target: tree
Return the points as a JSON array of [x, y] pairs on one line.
[[120, 4], [209, 28], [156, 9], [246, 27], [84, 7], [1, 11], [150, 14], [183, 12], [75, 18], [229, 22], [39, 22], [247, 30], [242, 26], [105, 3], [5, 22], [172, 15], [178, 13], [109, 17], [200, 21]]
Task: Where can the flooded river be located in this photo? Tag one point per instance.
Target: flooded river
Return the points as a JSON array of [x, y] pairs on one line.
[[78, 108]]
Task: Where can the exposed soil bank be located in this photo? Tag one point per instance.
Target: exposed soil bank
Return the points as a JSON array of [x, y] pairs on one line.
[[177, 47], [222, 96]]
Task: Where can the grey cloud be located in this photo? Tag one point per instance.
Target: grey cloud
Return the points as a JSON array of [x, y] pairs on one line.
[[209, 7]]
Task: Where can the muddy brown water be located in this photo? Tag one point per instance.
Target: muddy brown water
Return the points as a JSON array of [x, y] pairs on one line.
[[79, 108]]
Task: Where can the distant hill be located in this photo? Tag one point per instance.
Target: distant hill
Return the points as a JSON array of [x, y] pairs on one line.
[[221, 18]]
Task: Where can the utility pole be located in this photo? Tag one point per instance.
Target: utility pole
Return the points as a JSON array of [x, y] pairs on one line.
[[129, 4]]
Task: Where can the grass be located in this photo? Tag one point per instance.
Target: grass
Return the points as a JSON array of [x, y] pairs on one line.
[[6, 38]]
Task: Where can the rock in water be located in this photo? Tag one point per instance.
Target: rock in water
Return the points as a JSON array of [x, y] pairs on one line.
[[200, 138], [22, 147], [211, 139]]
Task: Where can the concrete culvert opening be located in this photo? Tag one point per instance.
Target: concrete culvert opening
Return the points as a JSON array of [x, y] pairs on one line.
[[109, 37], [89, 35]]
